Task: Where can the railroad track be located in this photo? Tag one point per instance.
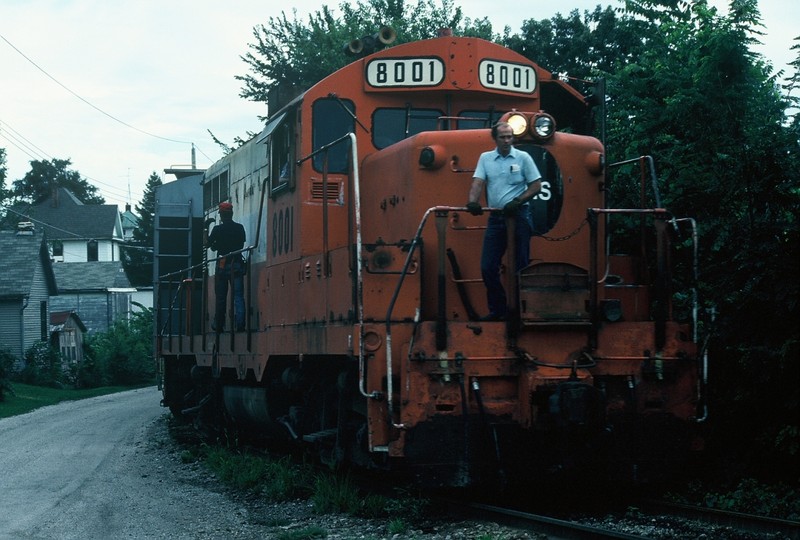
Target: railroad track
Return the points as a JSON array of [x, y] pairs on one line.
[[735, 524], [736, 520], [555, 529]]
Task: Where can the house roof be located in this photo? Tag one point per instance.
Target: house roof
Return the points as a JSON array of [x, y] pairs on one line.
[[59, 318], [64, 217], [90, 276], [129, 219], [20, 255]]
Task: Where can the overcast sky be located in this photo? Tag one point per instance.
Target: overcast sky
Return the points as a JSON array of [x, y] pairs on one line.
[[123, 88]]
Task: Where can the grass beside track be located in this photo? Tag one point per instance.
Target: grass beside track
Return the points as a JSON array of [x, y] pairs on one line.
[[24, 397]]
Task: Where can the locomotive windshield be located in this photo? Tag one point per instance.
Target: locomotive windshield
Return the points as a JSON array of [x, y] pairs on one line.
[[393, 125], [333, 119], [478, 119]]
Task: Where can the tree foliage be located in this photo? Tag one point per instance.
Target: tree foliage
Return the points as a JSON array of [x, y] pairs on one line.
[[122, 355], [690, 92], [45, 176], [138, 256], [297, 54], [583, 46], [4, 194]]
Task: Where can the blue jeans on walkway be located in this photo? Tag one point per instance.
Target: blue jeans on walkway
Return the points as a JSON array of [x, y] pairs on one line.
[[495, 243], [231, 272]]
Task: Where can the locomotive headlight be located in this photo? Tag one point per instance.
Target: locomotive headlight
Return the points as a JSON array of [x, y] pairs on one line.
[[518, 123], [432, 157], [543, 126]]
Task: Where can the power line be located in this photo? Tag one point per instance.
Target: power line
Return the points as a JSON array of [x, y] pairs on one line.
[[98, 109], [16, 135], [122, 242], [30, 152], [30, 149], [17, 146]]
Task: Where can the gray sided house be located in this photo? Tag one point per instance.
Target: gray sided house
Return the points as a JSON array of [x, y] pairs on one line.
[[27, 283], [78, 232], [99, 292]]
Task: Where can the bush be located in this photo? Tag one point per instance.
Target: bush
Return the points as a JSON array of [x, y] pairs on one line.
[[752, 497], [122, 355], [44, 366], [748, 495], [89, 373], [6, 366]]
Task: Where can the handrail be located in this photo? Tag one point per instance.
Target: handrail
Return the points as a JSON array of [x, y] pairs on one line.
[[653, 180], [356, 182], [414, 243], [203, 265], [591, 216]]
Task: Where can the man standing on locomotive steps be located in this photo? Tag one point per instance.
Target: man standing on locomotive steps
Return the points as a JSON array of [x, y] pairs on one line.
[[226, 238], [511, 179]]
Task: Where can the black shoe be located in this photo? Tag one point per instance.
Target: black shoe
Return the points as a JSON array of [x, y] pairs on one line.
[[492, 317]]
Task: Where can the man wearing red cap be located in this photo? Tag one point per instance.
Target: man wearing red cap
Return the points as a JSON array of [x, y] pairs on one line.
[[228, 237]]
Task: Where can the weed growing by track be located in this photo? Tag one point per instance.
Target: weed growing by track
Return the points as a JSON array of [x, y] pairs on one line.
[[280, 478]]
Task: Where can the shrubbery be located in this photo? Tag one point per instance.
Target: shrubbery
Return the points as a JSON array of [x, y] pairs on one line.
[[123, 355], [45, 366], [6, 367], [120, 356]]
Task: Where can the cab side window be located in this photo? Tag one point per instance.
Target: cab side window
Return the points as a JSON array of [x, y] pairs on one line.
[[333, 119]]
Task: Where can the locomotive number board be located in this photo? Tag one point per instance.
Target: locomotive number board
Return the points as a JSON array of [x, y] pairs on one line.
[[499, 75], [430, 71], [405, 72]]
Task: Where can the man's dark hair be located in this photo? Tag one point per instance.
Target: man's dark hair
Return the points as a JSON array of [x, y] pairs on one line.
[[498, 124]]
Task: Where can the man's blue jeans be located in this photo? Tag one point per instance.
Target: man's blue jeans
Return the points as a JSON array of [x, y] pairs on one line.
[[231, 272], [495, 243]]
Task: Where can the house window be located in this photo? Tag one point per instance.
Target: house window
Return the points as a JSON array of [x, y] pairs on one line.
[[69, 344], [58, 248], [91, 251]]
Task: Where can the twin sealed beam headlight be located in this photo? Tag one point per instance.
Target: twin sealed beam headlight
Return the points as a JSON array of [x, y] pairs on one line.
[[518, 123], [541, 126]]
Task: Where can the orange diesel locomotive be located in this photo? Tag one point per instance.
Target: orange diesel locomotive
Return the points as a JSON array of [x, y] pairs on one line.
[[363, 292]]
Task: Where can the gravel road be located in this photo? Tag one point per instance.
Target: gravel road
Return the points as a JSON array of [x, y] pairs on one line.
[[103, 468], [107, 468]]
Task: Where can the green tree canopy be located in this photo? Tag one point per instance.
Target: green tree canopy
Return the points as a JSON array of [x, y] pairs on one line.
[[581, 46], [4, 194], [299, 54], [138, 255], [45, 176], [711, 113]]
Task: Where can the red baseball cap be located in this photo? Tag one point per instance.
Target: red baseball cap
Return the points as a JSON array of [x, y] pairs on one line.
[[225, 207]]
